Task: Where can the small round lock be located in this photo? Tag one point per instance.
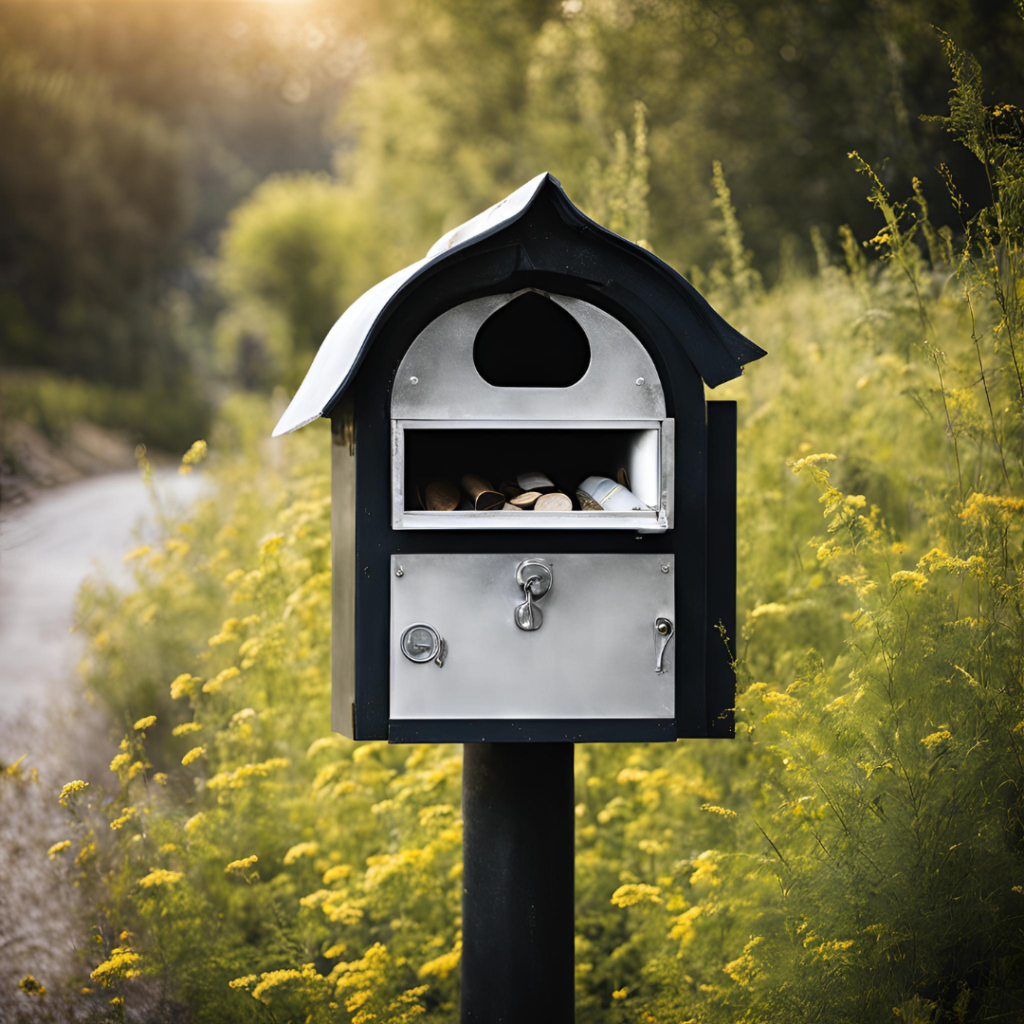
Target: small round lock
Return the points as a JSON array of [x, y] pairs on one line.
[[663, 626], [421, 643]]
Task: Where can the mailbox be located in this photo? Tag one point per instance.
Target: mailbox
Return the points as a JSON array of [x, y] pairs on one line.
[[533, 504]]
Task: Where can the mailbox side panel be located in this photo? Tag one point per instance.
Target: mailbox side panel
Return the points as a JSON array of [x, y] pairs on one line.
[[721, 572], [343, 581]]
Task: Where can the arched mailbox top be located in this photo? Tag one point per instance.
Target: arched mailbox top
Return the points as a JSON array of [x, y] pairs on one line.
[[566, 243], [438, 379]]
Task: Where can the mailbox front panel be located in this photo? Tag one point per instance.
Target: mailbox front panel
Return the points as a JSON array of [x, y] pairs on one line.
[[595, 655]]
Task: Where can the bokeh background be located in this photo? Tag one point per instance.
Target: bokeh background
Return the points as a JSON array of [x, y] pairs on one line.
[[191, 193]]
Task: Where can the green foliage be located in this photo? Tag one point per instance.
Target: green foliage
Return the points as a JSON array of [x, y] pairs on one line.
[[853, 856], [162, 419]]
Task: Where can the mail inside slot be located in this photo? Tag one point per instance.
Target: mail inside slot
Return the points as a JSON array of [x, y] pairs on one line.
[[523, 477]]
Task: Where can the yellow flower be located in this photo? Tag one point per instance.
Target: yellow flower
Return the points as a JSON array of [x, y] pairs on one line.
[[195, 454], [70, 790], [138, 553], [916, 579], [631, 895], [184, 686], [185, 728], [160, 876], [145, 723], [813, 460], [301, 850], [121, 964], [31, 987], [620, 993], [126, 816], [943, 735], [60, 847], [241, 866], [714, 809], [213, 685], [193, 755], [120, 761]]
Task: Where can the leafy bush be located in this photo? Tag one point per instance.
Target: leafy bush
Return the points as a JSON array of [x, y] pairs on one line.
[[853, 856]]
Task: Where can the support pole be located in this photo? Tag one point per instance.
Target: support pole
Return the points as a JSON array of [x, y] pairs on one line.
[[518, 874]]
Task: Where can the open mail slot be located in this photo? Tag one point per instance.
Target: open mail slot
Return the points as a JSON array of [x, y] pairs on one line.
[[431, 459], [533, 505]]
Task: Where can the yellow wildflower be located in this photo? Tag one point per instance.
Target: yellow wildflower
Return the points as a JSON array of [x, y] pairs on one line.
[[138, 553], [942, 735], [631, 895], [241, 866], [307, 849], [813, 460], [213, 685], [120, 761], [160, 876], [31, 987], [121, 964], [60, 847], [184, 686], [916, 579], [715, 809], [145, 723], [620, 993], [126, 816], [185, 728], [193, 755], [70, 790]]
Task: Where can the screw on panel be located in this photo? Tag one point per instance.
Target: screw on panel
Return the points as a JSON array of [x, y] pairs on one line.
[[414, 380], [664, 568], [399, 571], [639, 382]]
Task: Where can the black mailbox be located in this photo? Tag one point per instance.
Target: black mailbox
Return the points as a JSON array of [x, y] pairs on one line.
[[533, 505]]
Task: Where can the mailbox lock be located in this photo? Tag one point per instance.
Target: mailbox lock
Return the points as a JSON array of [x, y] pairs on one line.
[[536, 578], [422, 643]]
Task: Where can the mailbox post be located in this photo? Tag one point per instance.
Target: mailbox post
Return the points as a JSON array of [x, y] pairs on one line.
[[533, 540]]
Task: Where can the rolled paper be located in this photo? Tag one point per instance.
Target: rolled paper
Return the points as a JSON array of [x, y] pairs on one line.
[[553, 502], [509, 505], [483, 495], [525, 500], [609, 496], [509, 488], [442, 496], [535, 482]]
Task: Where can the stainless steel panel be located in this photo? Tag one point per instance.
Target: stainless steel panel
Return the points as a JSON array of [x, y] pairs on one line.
[[437, 378], [595, 656]]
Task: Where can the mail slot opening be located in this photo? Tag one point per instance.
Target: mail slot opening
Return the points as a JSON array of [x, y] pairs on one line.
[[515, 478], [531, 343]]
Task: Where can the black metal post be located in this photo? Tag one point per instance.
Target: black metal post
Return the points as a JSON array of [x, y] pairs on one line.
[[518, 875]]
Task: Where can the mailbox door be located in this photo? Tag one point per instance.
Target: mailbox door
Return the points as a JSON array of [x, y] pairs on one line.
[[596, 654]]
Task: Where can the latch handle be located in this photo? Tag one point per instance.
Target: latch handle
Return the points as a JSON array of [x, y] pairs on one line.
[[535, 576], [665, 632]]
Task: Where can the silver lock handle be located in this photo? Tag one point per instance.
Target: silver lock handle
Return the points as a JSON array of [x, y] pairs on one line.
[[535, 576], [664, 632]]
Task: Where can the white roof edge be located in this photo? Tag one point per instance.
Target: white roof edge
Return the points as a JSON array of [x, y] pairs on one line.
[[340, 351]]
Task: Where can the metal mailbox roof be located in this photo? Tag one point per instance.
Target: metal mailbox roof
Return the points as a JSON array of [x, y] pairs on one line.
[[339, 356]]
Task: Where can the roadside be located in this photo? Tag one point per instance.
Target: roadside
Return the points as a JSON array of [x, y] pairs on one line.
[[47, 547]]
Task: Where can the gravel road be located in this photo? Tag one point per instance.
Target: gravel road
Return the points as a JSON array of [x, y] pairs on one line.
[[47, 547]]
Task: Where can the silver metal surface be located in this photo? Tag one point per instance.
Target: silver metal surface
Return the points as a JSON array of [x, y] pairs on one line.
[[343, 577], [534, 575], [450, 388], [666, 631], [647, 452], [422, 643], [593, 659]]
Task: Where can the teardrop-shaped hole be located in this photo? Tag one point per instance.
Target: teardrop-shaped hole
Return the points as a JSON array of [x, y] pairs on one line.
[[531, 342]]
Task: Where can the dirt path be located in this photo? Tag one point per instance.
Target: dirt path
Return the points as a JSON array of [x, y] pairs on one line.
[[47, 548]]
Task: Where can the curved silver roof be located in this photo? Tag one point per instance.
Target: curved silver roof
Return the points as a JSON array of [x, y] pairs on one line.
[[717, 349]]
